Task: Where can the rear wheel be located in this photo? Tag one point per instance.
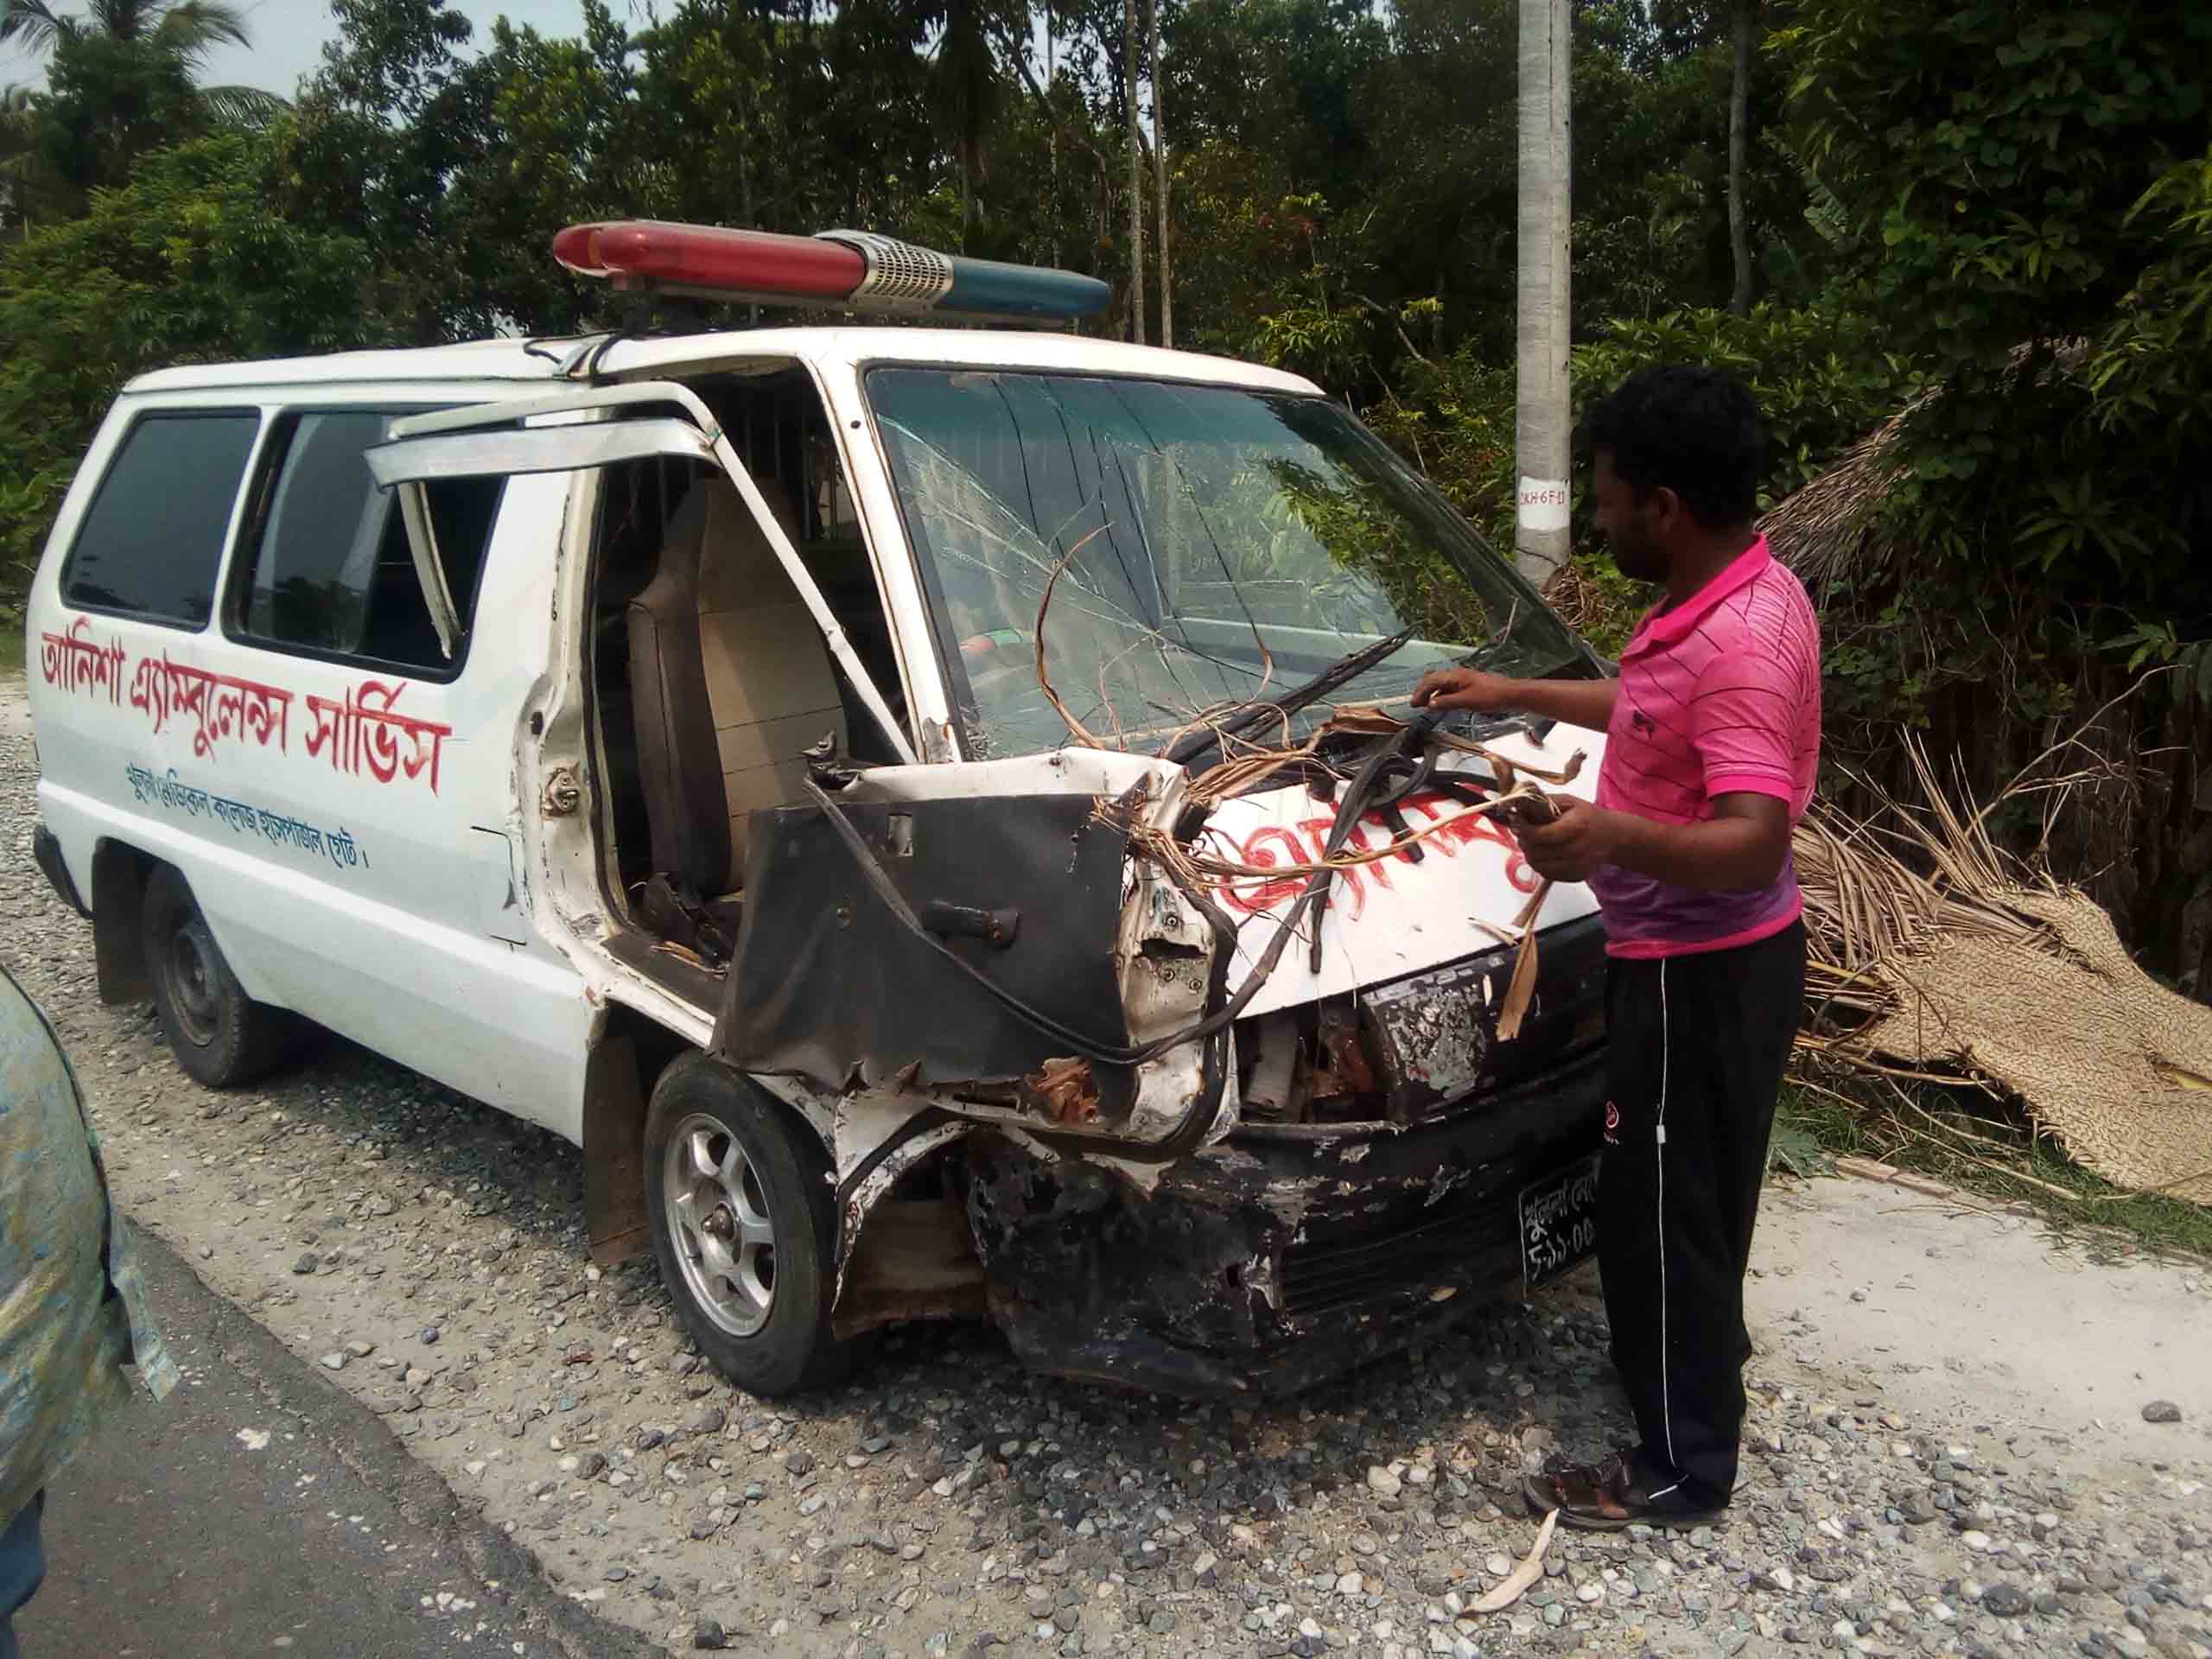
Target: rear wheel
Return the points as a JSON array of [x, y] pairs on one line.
[[743, 1229], [219, 1035]]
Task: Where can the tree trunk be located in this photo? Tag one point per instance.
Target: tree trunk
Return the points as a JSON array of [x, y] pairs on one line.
[[1136, 171], [1541, 424], [745, 182], [1159, 179], [1739, 124], [1053, 131]]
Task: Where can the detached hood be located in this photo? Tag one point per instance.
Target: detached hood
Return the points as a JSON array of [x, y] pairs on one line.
[[1464, 893]]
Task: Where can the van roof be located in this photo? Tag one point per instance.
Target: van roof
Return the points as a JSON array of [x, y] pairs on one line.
[[524, 361]]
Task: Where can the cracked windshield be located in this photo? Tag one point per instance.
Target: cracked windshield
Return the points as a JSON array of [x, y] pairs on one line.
[[1219, 545]]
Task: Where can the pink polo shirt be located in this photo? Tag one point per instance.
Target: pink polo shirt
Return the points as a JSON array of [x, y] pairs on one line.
[[1720, 695]]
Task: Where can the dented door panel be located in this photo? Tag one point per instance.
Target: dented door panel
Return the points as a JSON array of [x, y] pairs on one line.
[[1055, 963], [828, 985]]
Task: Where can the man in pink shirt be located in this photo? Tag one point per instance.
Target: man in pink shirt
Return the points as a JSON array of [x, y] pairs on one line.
[[1712, 739]]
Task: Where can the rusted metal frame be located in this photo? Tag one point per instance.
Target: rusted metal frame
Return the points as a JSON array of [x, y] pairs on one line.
[[615, 1223], [1210, 1215], [894, 1277]]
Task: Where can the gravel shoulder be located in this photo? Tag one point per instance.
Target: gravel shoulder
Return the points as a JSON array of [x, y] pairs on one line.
[[1956, 1462]]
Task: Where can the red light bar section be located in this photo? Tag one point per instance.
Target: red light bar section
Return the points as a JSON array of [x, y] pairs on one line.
[[848, 270], [709, 257]]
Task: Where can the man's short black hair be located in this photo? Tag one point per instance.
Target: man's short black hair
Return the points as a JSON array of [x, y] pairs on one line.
[[1688, 429]]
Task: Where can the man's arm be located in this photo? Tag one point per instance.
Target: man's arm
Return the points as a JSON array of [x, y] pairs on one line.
[[1586, 703], [1739, 849], [1747, 712]]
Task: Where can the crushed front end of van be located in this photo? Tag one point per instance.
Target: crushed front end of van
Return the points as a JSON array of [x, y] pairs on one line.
[[1181, 1170]]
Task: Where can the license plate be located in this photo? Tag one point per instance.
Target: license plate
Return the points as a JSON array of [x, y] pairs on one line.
[[1559, 1222]]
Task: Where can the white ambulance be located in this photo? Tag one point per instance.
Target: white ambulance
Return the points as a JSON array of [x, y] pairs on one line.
[[670, 741]]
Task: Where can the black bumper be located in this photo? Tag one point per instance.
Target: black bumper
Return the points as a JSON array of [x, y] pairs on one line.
[[1282, 1257], [45, 851]]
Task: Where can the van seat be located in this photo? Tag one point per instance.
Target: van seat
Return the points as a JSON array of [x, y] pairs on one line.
[[731, 686]]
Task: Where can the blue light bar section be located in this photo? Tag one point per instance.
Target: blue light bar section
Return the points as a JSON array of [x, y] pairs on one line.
[[991, 288]]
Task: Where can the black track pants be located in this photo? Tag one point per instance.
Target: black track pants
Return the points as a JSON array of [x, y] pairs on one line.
[[1696, 1045]]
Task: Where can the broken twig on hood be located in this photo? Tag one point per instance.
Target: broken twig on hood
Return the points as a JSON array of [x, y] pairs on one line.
[[1522, 990], [1081, 734], [1516, 1584]]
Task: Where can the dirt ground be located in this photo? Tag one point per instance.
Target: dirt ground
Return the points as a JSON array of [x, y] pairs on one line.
[[1961, 1307]]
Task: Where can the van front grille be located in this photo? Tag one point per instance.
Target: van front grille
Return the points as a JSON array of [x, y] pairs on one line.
[[1341, 1264]]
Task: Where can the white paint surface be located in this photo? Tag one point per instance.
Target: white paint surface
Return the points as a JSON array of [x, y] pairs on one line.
[[1542, 503]]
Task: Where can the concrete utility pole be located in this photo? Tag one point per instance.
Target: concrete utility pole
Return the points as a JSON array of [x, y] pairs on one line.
[[1541, 430]]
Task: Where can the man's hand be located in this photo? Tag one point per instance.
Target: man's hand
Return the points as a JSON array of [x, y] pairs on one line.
[[1577, 841], [1739, 849], [1588, 703], [1466, 688]]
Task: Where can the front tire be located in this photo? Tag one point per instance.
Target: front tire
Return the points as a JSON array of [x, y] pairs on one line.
[[219, 1035], [743, 1229]]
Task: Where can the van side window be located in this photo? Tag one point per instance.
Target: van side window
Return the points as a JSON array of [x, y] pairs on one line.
[[328, 570], [153, 537]]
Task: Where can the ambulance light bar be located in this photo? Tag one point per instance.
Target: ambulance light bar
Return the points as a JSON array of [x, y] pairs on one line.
[[848, 270]]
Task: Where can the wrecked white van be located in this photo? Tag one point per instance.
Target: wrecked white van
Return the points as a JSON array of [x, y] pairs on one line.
[[919, 807]]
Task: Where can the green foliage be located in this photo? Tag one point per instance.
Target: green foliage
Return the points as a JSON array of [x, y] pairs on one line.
[[186, 262], [1823, 375], [1374, 542], [1314, 321], [2149, 645], [2023, 188], [387, 139], [1961, 1137], [1930, 190], [1819, 374], [112, 101], [124, 80], [1993, 150], [1330, 165], [1453, 419], [1794, 1148]]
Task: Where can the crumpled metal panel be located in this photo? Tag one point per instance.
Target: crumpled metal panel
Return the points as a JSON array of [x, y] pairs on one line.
[[1165, 959], [1435, 1028], [1437, 1031], [829, 987], [1280, 1257]]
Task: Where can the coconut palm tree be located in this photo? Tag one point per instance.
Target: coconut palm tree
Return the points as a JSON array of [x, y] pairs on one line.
[[18, 141], [185, 31]]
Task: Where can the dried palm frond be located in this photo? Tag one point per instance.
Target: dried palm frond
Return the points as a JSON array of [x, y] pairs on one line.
[[1816, 530], [1821, 531], [1982, 968], [1578, 601]]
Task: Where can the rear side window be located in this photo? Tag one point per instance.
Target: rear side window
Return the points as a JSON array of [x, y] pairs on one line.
[[327, 571], [153, 537]]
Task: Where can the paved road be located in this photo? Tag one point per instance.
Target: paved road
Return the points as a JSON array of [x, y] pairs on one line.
[[182, 1532]]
